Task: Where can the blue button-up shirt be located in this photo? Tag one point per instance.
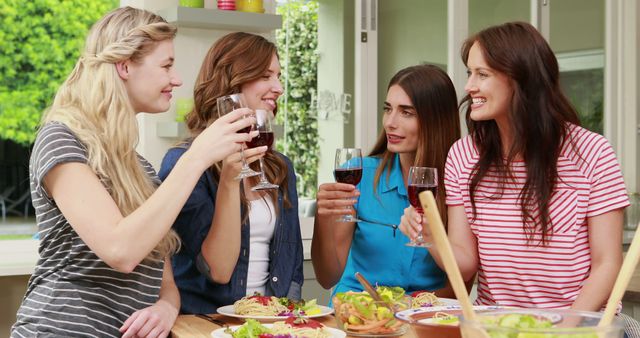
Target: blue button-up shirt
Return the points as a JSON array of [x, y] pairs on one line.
[[201, 295], [382, 258]]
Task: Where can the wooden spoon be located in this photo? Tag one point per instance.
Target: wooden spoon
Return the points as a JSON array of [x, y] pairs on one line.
[[375, 295], [368, 287], [439, 236], [622, 281]]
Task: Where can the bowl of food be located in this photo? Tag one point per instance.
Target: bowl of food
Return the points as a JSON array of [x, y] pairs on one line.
[[544, 323], [359, 315], [437, 321]]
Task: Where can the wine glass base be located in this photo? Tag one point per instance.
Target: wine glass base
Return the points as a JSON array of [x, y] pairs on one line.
[[348, 219], [244, 173], [264, 186], [419, 244]]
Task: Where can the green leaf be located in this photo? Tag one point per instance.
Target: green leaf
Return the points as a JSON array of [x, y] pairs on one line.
[[38, 52], [299, 72]]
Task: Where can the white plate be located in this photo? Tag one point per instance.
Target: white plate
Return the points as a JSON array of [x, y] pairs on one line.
[[219, 333], [449, 302], [228, 311], [406, 314]]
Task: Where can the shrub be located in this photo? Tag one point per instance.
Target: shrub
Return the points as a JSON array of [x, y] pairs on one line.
[[40, 42], [297, 46]]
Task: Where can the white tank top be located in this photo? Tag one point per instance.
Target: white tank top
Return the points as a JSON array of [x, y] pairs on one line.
[[262, 219]]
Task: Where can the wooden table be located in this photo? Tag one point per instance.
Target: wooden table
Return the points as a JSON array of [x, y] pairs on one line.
[[190, 326]]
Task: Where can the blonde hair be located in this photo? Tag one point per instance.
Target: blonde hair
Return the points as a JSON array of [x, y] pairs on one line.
[[93, 102]]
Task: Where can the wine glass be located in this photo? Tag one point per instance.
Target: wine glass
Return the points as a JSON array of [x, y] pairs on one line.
[[348, 169], [227, 104], [421, 179], [265, 138]]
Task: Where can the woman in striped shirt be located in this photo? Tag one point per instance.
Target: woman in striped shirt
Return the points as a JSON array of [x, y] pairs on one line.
[[104, 223], [535, 202]]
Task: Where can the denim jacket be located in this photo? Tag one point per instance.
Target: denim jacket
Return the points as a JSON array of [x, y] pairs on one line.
[[198, 293]]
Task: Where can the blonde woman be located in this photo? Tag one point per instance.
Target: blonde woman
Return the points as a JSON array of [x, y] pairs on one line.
[[103, 221]]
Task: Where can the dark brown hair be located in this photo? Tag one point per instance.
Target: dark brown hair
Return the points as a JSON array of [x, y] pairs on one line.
[[434, 97], [234, 60], [539, 117]]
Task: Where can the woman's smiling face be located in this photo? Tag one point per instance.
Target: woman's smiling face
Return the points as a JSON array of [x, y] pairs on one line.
[[263, 92], [490, 90]]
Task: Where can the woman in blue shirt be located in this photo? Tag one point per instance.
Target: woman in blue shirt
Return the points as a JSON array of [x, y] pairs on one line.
[[420, 123], [235, 241]]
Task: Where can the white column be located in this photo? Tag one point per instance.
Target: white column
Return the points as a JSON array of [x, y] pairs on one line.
[[331, 83], [540, 17], [622, 74], [366, 74], [458, 30]]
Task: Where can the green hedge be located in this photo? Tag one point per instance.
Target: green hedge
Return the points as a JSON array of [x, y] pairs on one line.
[[40, 41], [299, 60]]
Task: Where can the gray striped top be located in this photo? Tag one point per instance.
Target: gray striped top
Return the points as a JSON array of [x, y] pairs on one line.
[[72, 292]]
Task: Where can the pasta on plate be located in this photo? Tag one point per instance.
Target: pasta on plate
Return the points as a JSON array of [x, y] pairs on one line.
[[258, 305]]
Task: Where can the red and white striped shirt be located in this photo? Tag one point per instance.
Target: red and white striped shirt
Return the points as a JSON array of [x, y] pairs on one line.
[[511, 272]]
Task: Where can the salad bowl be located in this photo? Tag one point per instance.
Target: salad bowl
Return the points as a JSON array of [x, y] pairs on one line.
[[546, 323]]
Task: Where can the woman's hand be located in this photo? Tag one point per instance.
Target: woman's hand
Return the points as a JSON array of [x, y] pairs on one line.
[[335, 198], [232, 164], [221, 138], [412, 223], [151, 322]]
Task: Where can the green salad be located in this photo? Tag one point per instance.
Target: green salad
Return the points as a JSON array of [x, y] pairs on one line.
[[251, 329], [393, 294], [357, 312], [530, 323]]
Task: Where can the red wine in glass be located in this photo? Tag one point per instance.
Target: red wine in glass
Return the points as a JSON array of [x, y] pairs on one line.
[[265, 138], [349, 176], [245, 130], [420, 179], [225, 105], [415, 190]]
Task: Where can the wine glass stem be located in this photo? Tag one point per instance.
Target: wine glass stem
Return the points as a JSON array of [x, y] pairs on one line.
[[244, 161], [263, 177], [353, 207], [419, 238]]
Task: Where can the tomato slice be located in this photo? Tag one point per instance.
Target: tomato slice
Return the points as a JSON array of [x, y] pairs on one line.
[[416, 293], [264, 300], [303, 322]]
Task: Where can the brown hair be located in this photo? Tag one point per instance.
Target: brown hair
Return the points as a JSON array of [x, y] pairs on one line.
[[434, 97], [539, 117], [234, 60]]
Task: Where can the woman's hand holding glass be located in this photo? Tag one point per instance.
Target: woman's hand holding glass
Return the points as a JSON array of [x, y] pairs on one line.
[[336, 199], [232, 164], [222, 137], [413, 224]]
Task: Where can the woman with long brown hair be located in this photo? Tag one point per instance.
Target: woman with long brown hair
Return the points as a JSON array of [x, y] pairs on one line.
[[420, 123], [236, 241], [535, 201]]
